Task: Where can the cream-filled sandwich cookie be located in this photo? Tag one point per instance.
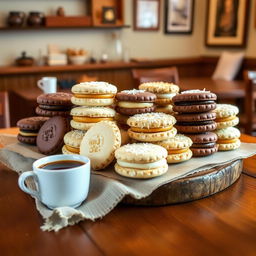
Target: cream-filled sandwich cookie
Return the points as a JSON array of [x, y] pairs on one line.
[[164, 91], [228, 138], [151, 127], [93, 94], [226, 115], [100, 143], [131, 102], [72, 142], [177, 148], [83, 118], [141, 160], [167, 109]]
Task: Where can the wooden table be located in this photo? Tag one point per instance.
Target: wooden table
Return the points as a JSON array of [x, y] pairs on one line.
[[223, 224], [224, 89]]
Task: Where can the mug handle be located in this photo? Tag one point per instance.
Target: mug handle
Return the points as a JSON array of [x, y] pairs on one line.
[[24, 188], [40, 84]]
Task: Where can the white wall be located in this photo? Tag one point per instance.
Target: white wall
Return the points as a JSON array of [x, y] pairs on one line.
[[140, 44]]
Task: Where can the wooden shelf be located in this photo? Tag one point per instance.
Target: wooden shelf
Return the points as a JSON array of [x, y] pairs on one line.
[[10, 70], [54, 28]]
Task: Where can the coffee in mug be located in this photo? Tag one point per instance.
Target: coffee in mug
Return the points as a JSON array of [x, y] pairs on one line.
[[48, 84], [62, 180]]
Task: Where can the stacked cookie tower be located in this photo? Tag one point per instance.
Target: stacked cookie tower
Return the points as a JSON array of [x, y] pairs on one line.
[[54, 104], [49, 105], [195, 119], [93, 100], [164, 93], [131, 102], [226, 119]]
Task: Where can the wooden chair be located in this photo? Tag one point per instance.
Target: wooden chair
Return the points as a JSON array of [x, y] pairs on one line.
[[169, 74], [248, 121], [4, 110]]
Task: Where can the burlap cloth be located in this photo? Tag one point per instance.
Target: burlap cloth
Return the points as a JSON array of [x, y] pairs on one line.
[[107, 189]]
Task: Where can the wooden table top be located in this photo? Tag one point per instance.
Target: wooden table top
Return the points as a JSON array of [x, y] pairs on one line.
[[223, 89], [223, 224]]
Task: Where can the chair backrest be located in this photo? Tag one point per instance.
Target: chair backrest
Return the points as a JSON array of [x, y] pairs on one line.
[[4, 110], [250, 98], [168, 74]]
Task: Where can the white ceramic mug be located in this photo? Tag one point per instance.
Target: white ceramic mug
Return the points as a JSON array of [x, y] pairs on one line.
[[59, 187], [48, 84]]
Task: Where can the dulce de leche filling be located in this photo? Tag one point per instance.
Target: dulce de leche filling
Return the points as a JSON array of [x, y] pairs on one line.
[[72, 149], [225, 119], [227, 141], [151, 130], [94, 96], [83, 119], [177, 151]]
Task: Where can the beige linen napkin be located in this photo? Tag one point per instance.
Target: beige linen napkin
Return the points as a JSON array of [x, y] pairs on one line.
[[107, 188]]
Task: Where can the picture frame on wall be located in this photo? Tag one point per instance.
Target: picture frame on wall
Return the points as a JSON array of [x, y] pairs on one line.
[[179, 16], [226, 23], [146, 15]]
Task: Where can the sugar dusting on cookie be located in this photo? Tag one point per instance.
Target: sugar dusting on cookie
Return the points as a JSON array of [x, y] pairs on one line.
[[195, 91], [133, 91]]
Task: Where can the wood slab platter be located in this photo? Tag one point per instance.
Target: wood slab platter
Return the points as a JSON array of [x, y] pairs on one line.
[[193, 187]]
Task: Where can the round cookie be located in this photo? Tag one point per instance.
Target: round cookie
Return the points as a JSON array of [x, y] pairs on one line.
[[228, 138], [131, 102], [99, 144], [141, 160], [196, 127], [151, 127], [204, 144], [54, 104], [177, 148], [55, 99], [194, 101], [50, 137], [226, 115], [51, 113], [167, 109], [93, 94], [85, 117], [29, 127], [164, 91], [72, 141]]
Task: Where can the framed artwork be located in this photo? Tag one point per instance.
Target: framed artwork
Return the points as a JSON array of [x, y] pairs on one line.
[[146, 14], [179, 16], [108, 15], [226, 23]]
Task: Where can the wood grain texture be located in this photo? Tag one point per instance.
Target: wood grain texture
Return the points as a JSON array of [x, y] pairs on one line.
[[222, 224], [193, 187]]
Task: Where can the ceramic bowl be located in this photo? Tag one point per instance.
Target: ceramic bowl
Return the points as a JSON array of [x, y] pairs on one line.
[[78, 60]]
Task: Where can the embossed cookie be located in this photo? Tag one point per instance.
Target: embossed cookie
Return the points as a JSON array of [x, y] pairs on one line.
[[131, 102], [72, 142], [151, 127], [226, 115], [204, 144], [164, 91], [99, 144], [50, 136], [93, 94], [194, 101], [177, 148], [83, 118], [228, 138], [29, 127], [141, 160]]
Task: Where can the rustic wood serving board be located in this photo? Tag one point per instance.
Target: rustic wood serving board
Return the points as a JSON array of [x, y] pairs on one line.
[[193, 187]]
